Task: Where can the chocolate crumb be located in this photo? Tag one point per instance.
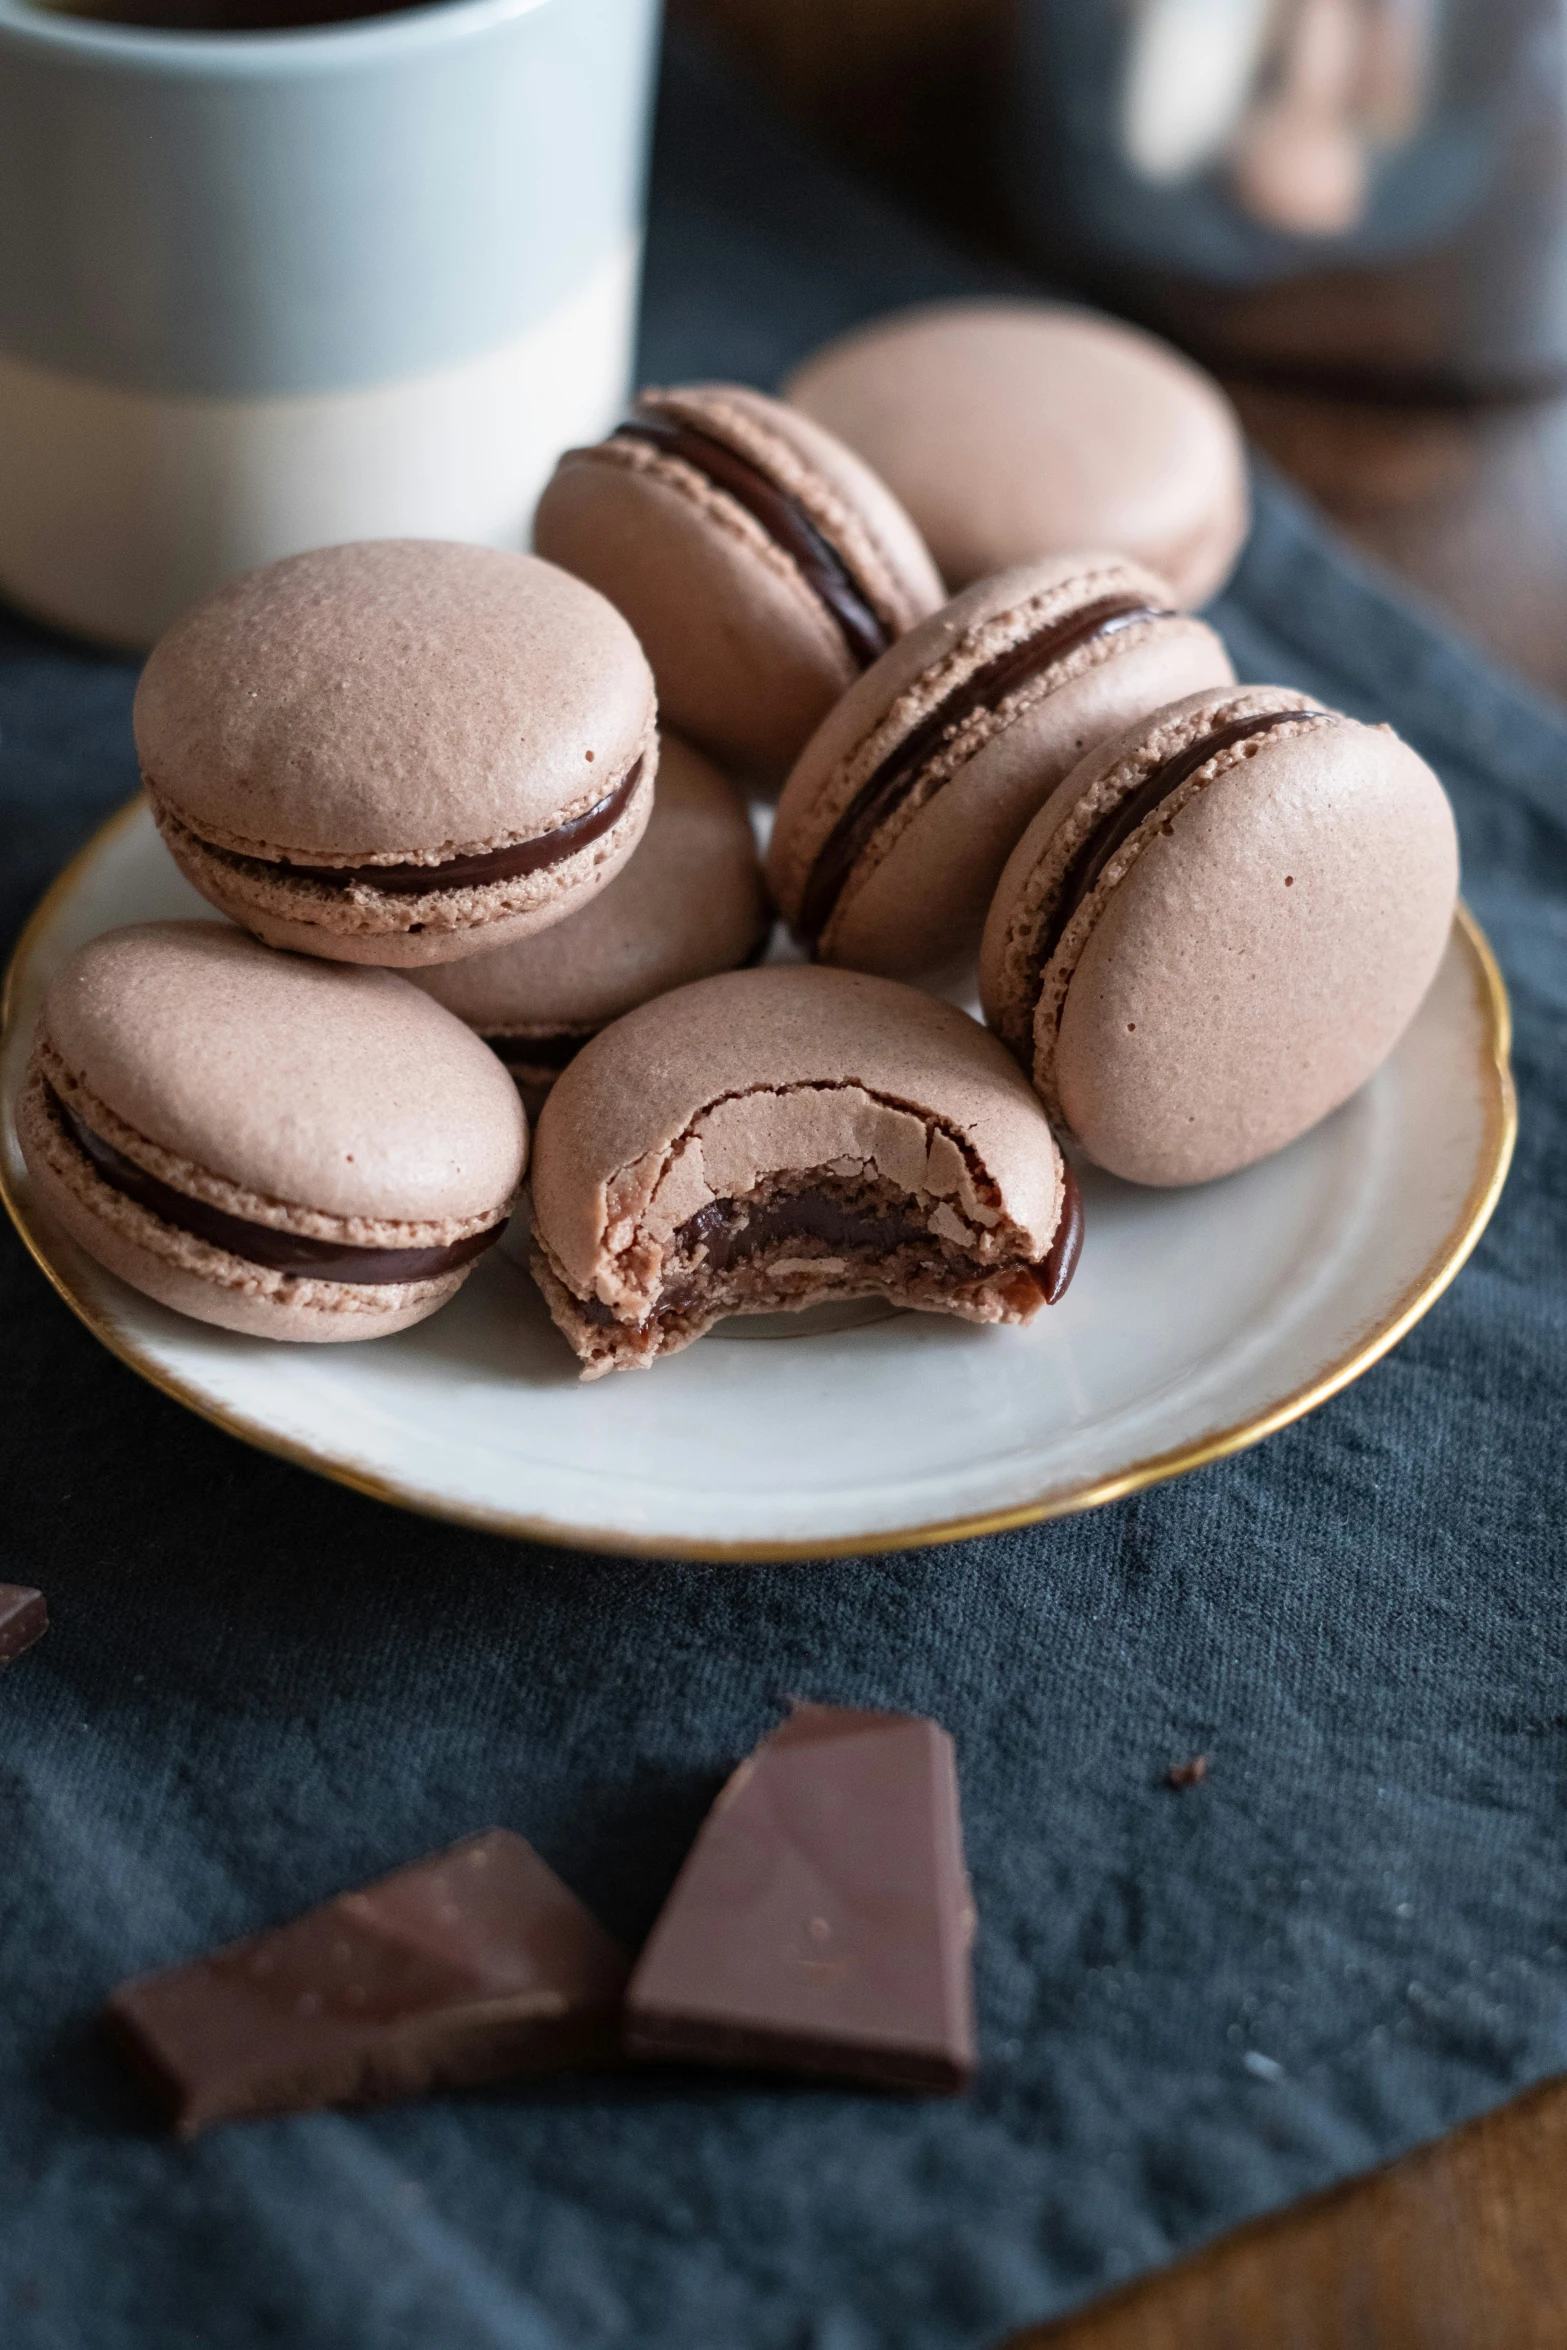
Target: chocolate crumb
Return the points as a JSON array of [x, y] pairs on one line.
[[1190, 1773]]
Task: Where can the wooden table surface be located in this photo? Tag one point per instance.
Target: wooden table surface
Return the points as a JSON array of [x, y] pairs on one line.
[[1463, 2244]]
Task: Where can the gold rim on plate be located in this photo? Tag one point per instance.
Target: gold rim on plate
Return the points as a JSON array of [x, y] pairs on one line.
[[1501, 1130]]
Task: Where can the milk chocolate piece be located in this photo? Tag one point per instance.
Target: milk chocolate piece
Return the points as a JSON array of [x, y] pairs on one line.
[[24, 1618], [822, 1922], [468, 1966]]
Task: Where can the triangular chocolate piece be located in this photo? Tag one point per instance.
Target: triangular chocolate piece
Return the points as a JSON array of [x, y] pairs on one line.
[[822, 1922], [468, 1966], [24, 1618]]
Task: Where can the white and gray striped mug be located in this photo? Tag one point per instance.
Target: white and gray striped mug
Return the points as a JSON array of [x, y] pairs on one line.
[[267, 290]]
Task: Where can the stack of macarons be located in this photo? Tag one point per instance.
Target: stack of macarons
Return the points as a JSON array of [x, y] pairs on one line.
[[938, 606]]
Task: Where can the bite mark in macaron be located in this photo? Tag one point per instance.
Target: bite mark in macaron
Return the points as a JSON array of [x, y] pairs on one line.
[[762, 1141], [934, 763], [761, 564]]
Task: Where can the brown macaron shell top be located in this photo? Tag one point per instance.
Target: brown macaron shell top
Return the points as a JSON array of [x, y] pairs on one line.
[[303, 1096], [746, 653], [913, 900], [1248, 955], [688, 904], [1016, 429], [702, 1094], [396, 703]]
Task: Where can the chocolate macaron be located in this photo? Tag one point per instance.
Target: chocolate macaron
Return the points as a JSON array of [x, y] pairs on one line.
[[904, 806], [286, 1147], [688, 904], [1218, 928], [762, 565], [400, 751], [1015, 429], [762, 1141]]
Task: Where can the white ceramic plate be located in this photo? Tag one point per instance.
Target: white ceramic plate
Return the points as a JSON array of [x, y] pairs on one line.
[[1199, 1321]]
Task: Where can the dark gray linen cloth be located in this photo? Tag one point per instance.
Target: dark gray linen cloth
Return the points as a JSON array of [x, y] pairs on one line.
[[260, 1688]]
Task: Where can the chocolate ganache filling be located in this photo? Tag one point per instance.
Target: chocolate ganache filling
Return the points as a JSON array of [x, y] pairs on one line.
[[540, 1052], [262, 1244], [784, 519], [504, 864], [726, 1240], [1118, 824], [890, 784]]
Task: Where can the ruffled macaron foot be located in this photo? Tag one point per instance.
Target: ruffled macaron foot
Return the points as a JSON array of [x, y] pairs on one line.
[[762, 565], [689, 903], [904, 806]]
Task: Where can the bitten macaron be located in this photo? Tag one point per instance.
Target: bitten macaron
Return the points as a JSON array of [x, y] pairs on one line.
[[761, 1141], [291, 1148], [1218, 928], [399, 751], [1016, 429], [904, 806], [689, 903], [762, 565]]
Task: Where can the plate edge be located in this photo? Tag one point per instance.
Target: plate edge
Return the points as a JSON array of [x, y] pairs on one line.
[[1501, 1129]]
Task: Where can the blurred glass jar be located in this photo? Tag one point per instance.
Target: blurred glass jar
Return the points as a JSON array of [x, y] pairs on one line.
[[1354, 194]]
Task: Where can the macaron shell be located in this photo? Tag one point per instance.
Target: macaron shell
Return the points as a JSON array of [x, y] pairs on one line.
[[402, 932], [922, 902], [1011, 429], [912, 677], [1259, 959], [1008, 970], [849, 503], [395, 698], [204, 1283], [746, 655], [345, 1092], [614, 1118], [687, 904]]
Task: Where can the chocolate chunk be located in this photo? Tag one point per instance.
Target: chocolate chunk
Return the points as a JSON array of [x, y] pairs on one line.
[[822, 1923], [24, 1618], [468, 1966]]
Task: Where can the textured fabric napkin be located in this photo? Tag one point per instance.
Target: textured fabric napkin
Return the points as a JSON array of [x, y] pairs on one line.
[[260, 1688]]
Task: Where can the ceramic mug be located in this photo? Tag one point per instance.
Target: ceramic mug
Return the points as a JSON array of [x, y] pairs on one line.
[[265, 291], [1365, 195]]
